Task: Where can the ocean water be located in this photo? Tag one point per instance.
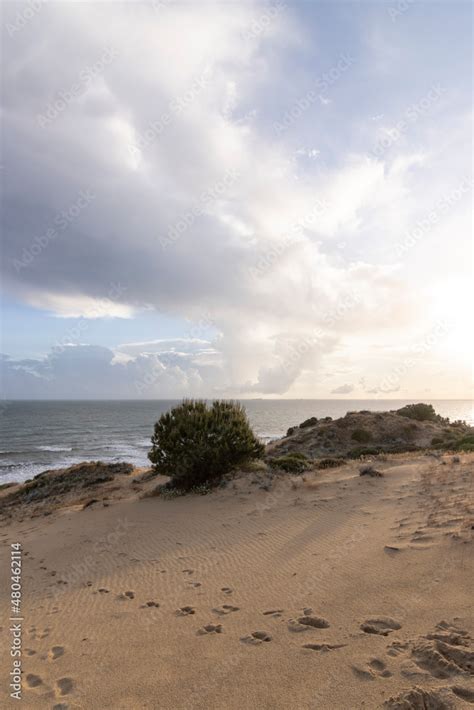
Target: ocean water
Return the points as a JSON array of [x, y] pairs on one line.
[[37, 435]]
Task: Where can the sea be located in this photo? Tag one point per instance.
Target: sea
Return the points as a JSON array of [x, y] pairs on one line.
[[39, 435]]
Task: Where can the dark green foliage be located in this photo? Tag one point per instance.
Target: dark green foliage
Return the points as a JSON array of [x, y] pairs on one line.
[[291, 430], [168, 492], [401, 448], [312, 421], [364, 451], [465, 444], [330, 463], [291, 463], [361, 435], [196, 443], [421, 412]]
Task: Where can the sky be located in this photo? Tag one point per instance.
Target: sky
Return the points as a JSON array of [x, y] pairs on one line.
[[222, 199]]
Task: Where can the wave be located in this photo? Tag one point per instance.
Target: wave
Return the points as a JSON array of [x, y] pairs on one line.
[[54, 448]]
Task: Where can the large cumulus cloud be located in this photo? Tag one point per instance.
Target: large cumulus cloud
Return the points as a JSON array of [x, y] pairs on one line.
[[135, 155]]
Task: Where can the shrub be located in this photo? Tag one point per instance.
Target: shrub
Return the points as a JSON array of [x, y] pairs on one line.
[[195, 443], [361, 435], [312, 421], [330, 463], [168, 492], [53, 483], [465, 444], [291, 463], [291, 430], [363, 451], [421, 412]]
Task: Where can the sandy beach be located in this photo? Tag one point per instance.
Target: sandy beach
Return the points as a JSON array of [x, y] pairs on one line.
[[330, 590]]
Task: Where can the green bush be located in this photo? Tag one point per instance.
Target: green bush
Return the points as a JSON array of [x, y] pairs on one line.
[[361, 435], [195, 443], [291, 463], [421, 412], [330, 463], [465, 444]]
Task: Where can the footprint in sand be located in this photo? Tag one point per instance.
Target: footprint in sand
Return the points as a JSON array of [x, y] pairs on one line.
[[188, 571], [56, 652], [420, 699], [150, 604], [275, 613], [381, 626], [30, 652], [303, 623], [64, 686], [33, 681], [60, 706], [185, 611], [210, 629], [375, 668], [463, 693], [194, 585], [125, 596], [324, 646], [225, 609], [227, 590], [446, 652], [256, 638]]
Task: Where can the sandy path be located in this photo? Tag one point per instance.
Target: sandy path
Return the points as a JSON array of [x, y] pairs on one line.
[[317, 553]]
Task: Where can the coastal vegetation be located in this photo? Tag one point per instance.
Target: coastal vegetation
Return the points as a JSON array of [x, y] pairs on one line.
[[196, 443]]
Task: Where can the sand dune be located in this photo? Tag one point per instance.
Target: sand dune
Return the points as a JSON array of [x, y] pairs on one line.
[[332, 591]]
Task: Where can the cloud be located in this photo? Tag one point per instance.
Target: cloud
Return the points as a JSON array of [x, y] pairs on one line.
[[343, 389], [94, 372], [194, 205]]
